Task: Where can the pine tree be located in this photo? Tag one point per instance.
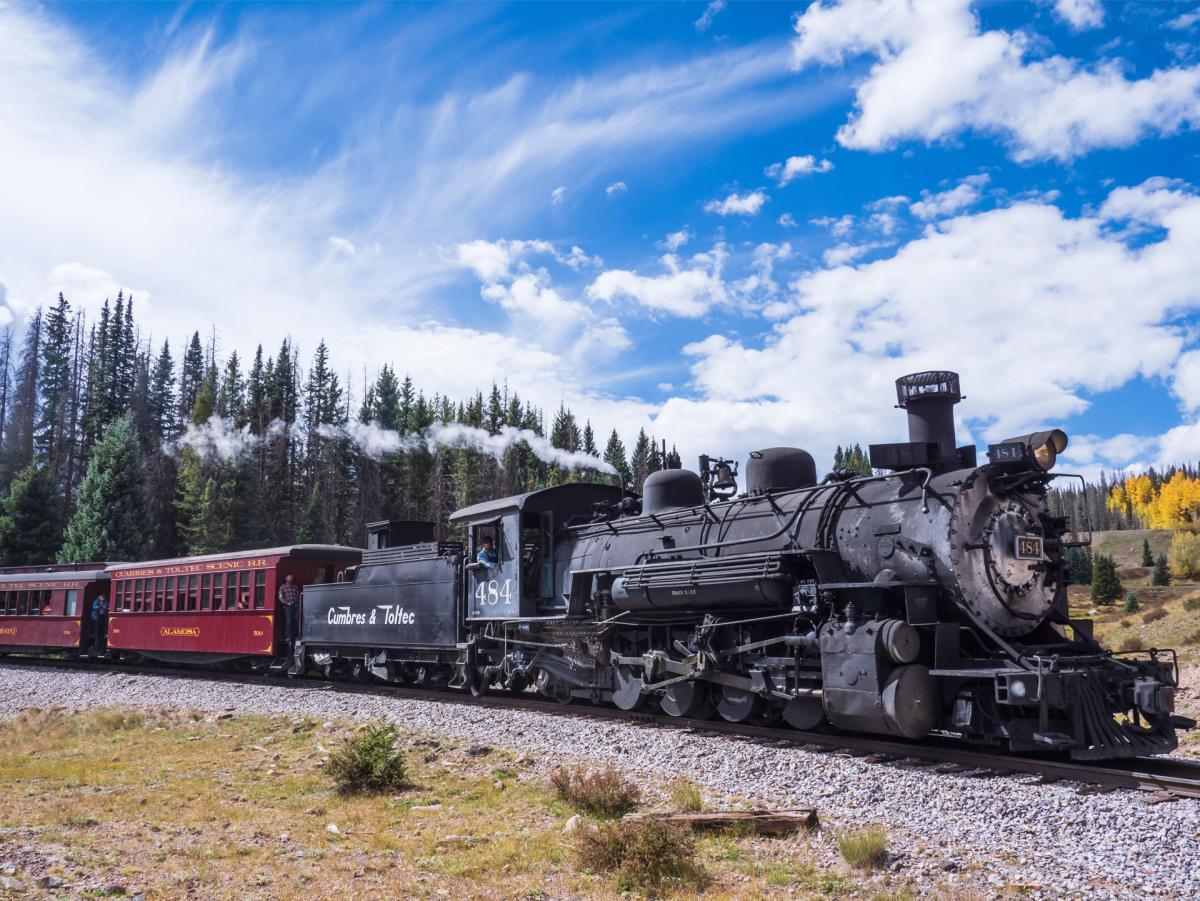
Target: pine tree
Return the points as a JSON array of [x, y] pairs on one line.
[[1162, 572], [30, 528], [1106, 586], [639, 460], [161, 401], [1079, 565], [205, 505], [111, 520], [191, 375], [614, 456], [23, 416], [51, 441], [1147, 557], [1131, 603]]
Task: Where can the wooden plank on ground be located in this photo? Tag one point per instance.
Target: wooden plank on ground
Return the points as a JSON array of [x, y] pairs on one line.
[[770, 822]]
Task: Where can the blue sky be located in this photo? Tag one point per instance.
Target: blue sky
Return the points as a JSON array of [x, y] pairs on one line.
[[730, 224]]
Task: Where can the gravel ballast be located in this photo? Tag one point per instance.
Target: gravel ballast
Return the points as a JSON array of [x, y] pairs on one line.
[[982, 833]]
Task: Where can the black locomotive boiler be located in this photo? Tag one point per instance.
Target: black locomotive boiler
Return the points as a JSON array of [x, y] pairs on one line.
[[929, 597]]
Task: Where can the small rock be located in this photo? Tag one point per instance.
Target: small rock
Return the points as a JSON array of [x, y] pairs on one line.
[[498, 785], [478, 750], [11, 884], [454, 840], [50, 882], [333, 829], [572, 824], [225, 715], [950, 865], [7, 868], [426, 807], [114, 888]]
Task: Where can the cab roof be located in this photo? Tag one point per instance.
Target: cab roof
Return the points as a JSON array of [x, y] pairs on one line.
[[574, 497]]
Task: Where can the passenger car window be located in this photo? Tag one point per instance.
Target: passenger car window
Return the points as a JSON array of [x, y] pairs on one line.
[[72, 602], [205, 590], [260, 589]]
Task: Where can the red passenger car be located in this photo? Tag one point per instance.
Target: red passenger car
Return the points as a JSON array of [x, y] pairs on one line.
[[45, 608], [215, 608]]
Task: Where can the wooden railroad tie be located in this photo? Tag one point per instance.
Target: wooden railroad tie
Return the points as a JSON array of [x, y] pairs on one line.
[[766, 822]]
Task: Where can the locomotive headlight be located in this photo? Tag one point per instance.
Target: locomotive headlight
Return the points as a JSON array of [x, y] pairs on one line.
[[1052, 444], [1043, 447]]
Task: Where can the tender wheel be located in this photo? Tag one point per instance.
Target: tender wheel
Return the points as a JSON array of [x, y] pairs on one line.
[[692, 700]]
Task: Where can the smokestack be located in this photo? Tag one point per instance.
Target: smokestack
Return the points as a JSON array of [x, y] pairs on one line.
[[929, 399]]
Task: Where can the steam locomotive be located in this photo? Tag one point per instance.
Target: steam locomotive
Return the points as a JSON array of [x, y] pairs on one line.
[[929, 597]]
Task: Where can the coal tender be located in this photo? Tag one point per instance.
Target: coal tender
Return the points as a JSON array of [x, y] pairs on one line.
[[929, 597]]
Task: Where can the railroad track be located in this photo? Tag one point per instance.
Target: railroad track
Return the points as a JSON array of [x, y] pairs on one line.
[[1167, 778]]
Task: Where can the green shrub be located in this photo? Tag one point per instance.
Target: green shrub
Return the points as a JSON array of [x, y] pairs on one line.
[[864, 849], [603, 792], [1192, 604], [1153, 616], [685, 795], [644, 854], [1131, 603], [369, 762]]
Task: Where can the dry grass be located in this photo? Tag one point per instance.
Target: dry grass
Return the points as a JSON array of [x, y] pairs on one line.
[[685, 795], [603, 792], [187, 805], [864, 849]]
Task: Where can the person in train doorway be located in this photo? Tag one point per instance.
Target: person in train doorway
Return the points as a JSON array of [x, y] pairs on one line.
[[289, 600], [487, 553], [100, 623]]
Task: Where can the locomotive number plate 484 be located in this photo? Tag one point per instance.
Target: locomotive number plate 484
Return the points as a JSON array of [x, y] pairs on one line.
[[1029, 547]]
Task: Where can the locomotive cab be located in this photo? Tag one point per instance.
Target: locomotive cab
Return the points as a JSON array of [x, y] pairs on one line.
[[524, 580]]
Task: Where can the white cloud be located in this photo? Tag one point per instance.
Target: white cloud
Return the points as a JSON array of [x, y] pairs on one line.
[[528, 296], [675, 240], [679, 291], [710, 13], [737, 204], [1080, 14], [1186, 20], [558, 195], [845, 253], [342, 245], [935, 206], [617, 187], [839, 227], [936, 74], [787, 220], [974, 293], [796, 166]]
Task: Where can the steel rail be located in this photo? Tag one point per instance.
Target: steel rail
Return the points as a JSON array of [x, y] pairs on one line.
[[1169, 777]]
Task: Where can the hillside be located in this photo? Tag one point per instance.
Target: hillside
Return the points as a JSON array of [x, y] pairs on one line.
[[1169, 617]]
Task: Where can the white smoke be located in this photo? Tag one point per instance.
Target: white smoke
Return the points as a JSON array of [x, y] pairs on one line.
[[458, 435], [219, 439]]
